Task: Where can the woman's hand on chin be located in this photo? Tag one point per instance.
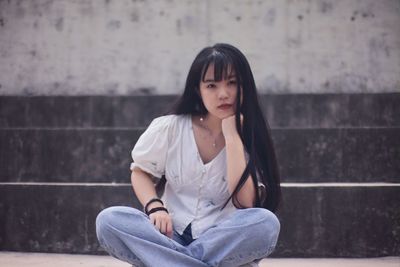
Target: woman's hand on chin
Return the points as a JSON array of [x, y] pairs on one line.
[[229, 127]]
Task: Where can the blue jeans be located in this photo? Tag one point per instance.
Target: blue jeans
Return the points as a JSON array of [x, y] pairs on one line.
[[127, 234]]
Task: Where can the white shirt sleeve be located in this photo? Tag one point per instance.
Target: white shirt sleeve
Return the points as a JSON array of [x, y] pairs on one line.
[[150, 151]]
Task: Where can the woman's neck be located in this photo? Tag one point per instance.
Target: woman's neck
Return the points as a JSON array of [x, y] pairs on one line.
[[212, 123]]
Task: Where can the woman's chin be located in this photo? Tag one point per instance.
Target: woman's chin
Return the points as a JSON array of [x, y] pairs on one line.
[[226, 115], [222, 114]]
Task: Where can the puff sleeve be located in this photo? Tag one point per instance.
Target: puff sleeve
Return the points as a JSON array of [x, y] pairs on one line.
[[150, 151]]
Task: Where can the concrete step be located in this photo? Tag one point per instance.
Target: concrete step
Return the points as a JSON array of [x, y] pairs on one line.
[[282, 110], [64, 158], [103, 155], [12, 259], [314, 220]]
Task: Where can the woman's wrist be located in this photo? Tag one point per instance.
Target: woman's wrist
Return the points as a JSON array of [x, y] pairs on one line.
[[153, 203], [153, 210]]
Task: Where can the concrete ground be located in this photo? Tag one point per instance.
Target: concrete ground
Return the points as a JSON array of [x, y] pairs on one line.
[[18, 259]]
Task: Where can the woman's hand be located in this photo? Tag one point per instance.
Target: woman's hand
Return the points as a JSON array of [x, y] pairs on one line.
[[229, 126], [162, 221]]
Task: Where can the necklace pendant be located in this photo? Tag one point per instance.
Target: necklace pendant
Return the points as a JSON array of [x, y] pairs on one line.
[[214, 144]]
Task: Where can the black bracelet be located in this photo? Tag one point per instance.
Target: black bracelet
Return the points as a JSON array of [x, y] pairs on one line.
[[151, 201], [156, 209]]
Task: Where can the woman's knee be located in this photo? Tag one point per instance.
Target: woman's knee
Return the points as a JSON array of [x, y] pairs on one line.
[[266, 224], [115, 218], [268, 229], [269, 222]]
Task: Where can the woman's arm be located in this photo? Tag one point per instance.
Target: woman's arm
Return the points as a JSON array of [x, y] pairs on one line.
[[145, 191], [236, 163], [144, 187]]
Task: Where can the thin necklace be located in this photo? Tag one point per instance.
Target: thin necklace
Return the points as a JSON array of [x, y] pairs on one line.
[[214, 144]]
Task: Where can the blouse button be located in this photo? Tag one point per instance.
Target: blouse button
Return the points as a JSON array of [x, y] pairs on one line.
[[203, 171]]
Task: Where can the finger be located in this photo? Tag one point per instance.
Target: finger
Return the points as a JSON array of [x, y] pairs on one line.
[[163, 228], [158, 223], [152, 220], [169, 229]]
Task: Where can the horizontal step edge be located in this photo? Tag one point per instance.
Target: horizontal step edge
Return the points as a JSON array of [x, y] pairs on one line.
[[381, 184]]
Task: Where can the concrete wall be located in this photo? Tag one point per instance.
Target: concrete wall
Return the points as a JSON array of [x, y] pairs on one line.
[[90, 47]]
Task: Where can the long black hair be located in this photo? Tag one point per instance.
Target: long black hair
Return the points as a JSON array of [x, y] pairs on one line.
[[255, 133]]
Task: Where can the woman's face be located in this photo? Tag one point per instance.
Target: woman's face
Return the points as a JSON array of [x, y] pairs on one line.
[[219, 98]]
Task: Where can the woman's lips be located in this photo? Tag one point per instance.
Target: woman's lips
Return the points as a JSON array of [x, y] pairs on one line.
[[224, 107]]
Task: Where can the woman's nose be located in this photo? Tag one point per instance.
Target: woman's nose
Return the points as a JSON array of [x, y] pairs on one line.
[[223, 92]]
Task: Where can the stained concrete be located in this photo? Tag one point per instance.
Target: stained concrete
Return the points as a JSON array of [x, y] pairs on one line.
[[12, 259], [318, 137], [304, 155], [68, 157], [334, 110], [315, 221], [62, 47]]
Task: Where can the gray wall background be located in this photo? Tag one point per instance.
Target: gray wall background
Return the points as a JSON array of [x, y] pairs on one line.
[[123, 47]]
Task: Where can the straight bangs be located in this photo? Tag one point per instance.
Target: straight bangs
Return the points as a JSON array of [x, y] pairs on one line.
[[224, 66]]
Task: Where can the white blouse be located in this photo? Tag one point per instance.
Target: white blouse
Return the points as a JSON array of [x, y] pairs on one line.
[[195, 192]]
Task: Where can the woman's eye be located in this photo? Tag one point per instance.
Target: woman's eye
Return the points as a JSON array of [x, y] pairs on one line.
[[232, 82], [210, 85]]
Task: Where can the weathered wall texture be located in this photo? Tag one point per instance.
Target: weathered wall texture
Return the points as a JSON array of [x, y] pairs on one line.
[[80, 47]]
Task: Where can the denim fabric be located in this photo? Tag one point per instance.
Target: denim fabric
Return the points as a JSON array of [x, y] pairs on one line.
[[127, 234]]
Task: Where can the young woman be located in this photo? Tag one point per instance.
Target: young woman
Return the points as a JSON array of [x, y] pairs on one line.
[[215, 156]]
